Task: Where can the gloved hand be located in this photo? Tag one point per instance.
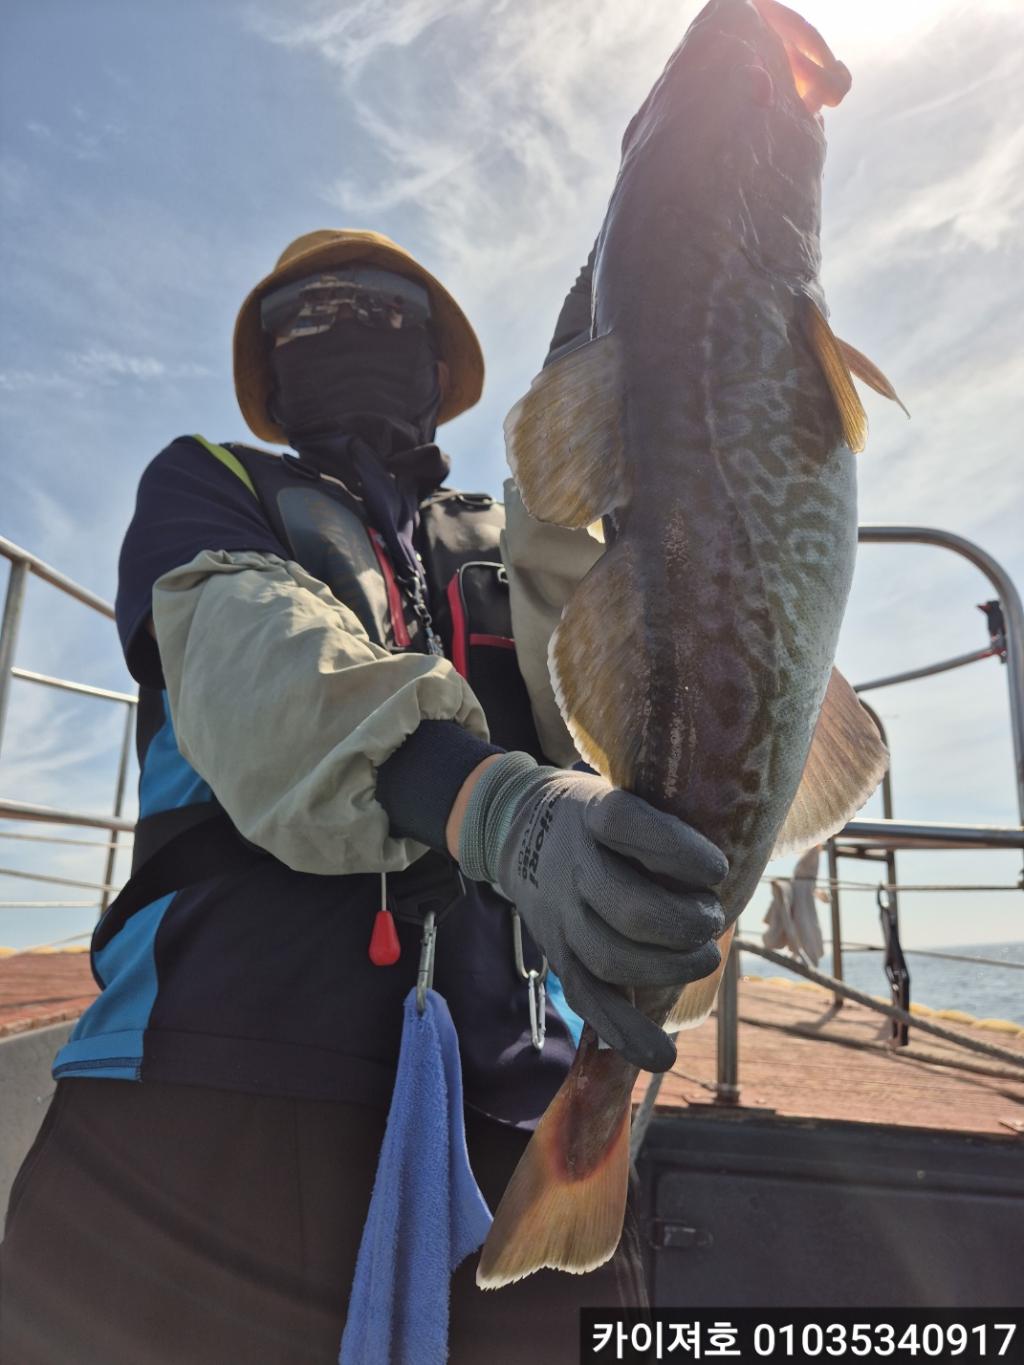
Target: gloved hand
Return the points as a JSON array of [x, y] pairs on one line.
[[556, 844]]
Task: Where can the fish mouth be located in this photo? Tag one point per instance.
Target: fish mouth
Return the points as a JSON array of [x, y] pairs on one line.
[[820, 79]]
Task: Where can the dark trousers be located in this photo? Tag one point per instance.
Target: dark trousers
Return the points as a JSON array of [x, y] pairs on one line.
[[174, 1225]]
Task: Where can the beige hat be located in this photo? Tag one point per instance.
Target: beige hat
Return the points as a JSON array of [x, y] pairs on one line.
[[457, 342]]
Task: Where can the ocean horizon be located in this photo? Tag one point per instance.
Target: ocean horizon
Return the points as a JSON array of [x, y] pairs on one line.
[[987, 992]]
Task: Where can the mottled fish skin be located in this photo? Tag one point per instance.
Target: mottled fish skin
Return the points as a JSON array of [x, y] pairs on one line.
[[741, 526]]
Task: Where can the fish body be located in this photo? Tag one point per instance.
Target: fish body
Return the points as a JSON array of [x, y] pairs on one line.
[[708, 424]]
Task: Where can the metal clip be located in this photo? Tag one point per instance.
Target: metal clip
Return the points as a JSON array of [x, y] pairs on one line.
[[425, 975], [538, 1000], [534, 983]]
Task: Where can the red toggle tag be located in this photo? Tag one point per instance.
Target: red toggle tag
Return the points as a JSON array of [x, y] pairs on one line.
[[385, 949]]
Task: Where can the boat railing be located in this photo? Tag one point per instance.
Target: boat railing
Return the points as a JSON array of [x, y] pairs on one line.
[[880, 840], [865, 840], [24, 565]]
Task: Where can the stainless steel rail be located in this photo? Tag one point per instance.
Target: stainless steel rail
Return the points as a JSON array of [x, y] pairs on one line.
[[861, 835], [32, 563], [1009, 600], [929, 670], [879, 840], [23, 564], [49, 815]]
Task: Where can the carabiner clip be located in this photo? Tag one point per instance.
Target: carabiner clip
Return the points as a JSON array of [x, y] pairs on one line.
[[534, 983], [425, 975], [538, 1002]]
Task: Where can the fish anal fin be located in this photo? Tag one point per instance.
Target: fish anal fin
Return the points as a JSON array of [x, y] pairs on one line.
[[564, 437], [847, 760], [869, 372], [552, 1217], [596, 663], [695, 1002], [828, 350]]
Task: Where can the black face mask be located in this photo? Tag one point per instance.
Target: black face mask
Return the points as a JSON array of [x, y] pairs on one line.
[[381, 384], [361, 403]]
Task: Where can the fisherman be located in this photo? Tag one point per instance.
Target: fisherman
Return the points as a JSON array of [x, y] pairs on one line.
[[335, 742]]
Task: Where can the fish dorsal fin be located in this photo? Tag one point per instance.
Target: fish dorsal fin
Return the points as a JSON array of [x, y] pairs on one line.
[[695, 1001], [869, 372], [564, 437], [828, 349], [846, 762]]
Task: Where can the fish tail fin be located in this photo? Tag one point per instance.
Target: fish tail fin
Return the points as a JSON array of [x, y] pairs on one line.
[[695, 1001], [564, 1206]]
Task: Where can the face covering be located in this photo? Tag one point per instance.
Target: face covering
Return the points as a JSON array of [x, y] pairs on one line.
[[361, 403], [381, 383]]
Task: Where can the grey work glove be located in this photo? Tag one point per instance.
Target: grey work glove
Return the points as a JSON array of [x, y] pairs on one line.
[[585, 864]]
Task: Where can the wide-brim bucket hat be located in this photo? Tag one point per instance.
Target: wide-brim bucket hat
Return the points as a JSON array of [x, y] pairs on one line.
[[324, 249]]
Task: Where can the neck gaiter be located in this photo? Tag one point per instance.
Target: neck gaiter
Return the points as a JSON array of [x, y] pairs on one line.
[[361, 403]]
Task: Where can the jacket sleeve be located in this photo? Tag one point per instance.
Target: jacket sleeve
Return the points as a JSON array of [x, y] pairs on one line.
[[285, 707]]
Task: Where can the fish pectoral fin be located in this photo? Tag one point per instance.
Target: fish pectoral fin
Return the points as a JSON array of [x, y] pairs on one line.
[[597, 665], [868, 371], [695, 1001], [564, 437], [847, 760], [828, 349]]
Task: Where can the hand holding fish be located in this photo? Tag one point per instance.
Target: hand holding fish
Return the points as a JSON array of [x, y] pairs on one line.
[[614, 892]]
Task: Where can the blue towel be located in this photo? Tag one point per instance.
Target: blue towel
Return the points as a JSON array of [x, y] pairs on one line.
[[426, 1213]]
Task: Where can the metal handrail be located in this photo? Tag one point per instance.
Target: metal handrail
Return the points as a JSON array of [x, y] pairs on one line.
[[880, 839], [865, 835], [23, 563], [54, 577], [995, 650], [1013, 616], [83, 689], [49, 815]]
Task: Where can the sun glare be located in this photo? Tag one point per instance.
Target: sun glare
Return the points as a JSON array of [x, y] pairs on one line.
[[881, 26]]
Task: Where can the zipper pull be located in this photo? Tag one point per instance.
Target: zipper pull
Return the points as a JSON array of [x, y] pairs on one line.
[[385, 949]]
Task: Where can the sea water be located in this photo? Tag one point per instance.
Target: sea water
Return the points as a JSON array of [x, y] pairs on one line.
[[987, 992]]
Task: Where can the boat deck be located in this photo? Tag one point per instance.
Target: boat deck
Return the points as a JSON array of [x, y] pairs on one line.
[[37, 989], [799, 1057]]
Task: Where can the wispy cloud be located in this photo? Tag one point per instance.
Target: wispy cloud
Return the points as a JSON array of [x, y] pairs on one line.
[[86, 139], [26, 381], [103, 364], [480, 117]]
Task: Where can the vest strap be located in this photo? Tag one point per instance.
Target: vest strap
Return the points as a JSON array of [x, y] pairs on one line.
[[226, 458]]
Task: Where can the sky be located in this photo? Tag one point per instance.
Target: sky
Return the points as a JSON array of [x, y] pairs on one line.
[[156, 159]]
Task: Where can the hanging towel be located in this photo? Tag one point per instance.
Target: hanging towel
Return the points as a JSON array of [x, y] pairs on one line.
[[780, 931], [803, 907], [426, 1212]]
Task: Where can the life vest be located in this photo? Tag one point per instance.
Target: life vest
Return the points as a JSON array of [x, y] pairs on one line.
[[323, 525]]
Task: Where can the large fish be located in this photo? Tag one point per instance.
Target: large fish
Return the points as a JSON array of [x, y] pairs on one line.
[[709, 425]]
